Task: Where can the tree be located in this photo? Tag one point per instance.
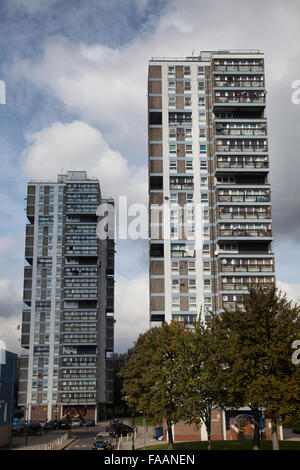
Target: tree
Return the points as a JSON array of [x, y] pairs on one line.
[[117, 362], [153, 378], [202, 391], [255, 353]]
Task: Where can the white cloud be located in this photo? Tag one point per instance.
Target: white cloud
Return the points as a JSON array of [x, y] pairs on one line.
[[79, 146], [292, 291], [132, 310], [10, 314]]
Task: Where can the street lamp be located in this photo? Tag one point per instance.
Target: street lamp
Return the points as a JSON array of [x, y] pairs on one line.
[[144, 428], [132, 428]]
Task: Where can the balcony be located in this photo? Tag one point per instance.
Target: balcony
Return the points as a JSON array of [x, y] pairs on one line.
[[243, 198], [246, 146], [239, 68], [242, 284], [242, 163], [239, 100], [245, 232], [243, 213], [246, 268], [240, 130], [233, 82]]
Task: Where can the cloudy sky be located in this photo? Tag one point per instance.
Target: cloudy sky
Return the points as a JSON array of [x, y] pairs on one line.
[[75, 73]]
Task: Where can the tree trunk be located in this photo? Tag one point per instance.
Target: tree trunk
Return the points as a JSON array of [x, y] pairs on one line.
[[256, 434], [208, 429], [275, 442], [170, 436]]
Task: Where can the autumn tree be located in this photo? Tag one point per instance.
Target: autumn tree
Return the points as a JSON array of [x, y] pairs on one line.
[[255, 350], [202, 392], [153, 378]]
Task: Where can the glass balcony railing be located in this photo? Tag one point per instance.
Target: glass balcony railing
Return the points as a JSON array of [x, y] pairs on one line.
[[243, 286], [254, 268], [245, 215], [238, 232], [240, 100], [243, 198], [239, 84], [235, 162], [238, 68], [241, 148], [241, 132]]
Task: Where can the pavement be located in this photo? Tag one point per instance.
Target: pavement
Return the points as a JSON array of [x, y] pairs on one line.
[[19, 441], [82, 438], [289, 435]]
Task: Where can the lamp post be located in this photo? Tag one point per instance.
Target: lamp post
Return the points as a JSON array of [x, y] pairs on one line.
[[144, 428], [133, 428]]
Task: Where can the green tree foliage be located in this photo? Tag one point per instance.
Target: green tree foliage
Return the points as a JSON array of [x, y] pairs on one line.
[[202, 367], [255, 349], [153, 378]]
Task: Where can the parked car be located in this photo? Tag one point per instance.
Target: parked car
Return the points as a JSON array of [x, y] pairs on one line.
[[18, 427], [49, 425], [35, 428], [64, 424], [76, 423], [90, 422], [119, 429], [101, 444]]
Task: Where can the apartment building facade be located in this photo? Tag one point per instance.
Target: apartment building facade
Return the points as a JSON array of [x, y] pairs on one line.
[[208, 169], [68, 319]]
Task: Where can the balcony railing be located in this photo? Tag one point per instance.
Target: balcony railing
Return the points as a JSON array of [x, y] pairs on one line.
[[243, 286], [241, 148], [238, 68], [240, 132], [241, 99], [245, 233], [242, 163], [239, 83], [246, 268], [245, 215], [243, 198]]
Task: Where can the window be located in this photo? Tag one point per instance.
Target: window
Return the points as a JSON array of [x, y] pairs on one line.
[[191, 266], [187, 101], [187, 86], [174, 198], [201, 86], [172, 100], [187, 70], [203, 148], [203, 181], [204, 197], [188, 132], [200, 70], [171, 70], [189, 165], [175, 302], [202, 132], [192, 302], [201, 101], [192, 284], [207, 300], [175, 284], [202, 117], [173, 165], [188, 148], [172, 132], [175, 265], [171, 85], [189, 197], [203, 164], [173, 148]]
